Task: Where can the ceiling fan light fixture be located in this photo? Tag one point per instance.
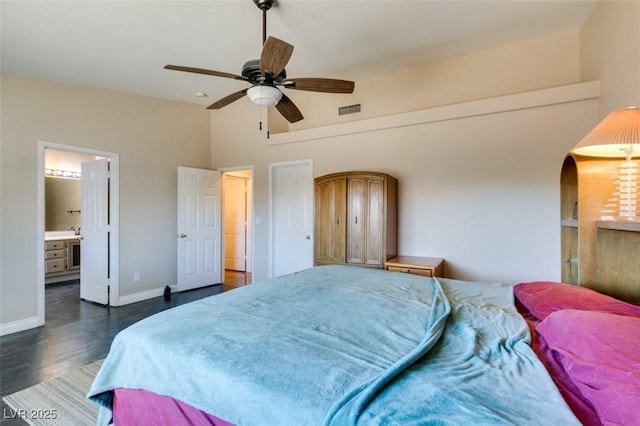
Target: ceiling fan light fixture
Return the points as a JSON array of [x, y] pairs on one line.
[[264, 95]]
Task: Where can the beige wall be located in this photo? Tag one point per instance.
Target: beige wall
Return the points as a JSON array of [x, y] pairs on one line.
[[151, 136], [610, 52], [535, 64], [471, 187], [480, 191]]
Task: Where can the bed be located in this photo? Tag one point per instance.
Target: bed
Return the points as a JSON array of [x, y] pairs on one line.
[[341, 345]]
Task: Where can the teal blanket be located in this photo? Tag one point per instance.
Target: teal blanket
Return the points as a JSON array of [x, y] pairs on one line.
[[339, 345], [482, 371]]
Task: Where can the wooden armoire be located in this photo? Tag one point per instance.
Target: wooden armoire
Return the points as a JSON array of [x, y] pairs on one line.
[[356, 218]]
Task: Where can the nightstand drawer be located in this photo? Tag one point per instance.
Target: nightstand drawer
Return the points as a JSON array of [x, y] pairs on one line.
[[415, 271], [425, 266]]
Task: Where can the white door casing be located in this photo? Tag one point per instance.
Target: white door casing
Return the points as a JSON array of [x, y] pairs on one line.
[[292, 217], [114, 243], [235, 223], [94, 247], [199, 228]]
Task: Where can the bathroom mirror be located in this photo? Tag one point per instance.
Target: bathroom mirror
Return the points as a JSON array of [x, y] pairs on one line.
[[62, 203]]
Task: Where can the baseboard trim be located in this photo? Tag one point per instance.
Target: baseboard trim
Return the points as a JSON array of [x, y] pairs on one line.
[[143, 295], [20, 325]]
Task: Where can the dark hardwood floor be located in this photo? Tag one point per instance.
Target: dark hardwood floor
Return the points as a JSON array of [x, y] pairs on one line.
[[77, 333]]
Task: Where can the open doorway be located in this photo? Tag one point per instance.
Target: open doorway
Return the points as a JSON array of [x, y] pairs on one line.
[[60, 220], [62, 215], [237, 200]]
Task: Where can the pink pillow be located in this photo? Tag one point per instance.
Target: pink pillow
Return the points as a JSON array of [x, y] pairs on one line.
[[542, 298], [600, 353]]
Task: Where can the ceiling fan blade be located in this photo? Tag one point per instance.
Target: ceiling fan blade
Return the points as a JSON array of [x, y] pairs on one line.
[[228, 99], [327, 85], [275, 56], [205, 71], [288, 109]]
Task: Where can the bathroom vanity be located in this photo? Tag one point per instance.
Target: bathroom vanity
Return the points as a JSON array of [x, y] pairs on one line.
[[61, 256]]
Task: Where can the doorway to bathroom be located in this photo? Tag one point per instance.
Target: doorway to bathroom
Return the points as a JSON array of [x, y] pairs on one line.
[[237, 206], [78, 252]]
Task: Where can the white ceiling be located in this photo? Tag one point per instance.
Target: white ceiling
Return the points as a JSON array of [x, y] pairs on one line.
[[122, 45]]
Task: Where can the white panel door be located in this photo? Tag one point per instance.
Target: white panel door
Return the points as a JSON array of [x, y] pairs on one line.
[[199, 230], [94, 247], [292, 209], [235, 223]]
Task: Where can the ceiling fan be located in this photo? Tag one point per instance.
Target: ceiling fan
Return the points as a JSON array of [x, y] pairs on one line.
[[267, 73]]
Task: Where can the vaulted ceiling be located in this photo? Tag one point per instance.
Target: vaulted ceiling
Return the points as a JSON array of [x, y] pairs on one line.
[[123, 45]]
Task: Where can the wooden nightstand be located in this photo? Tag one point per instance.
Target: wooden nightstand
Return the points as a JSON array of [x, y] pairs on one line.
[[425, 266]]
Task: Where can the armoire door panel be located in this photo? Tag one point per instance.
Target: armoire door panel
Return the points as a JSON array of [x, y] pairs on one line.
[[330, 221], [323, 221], [356, 212], [374, 222], [340, 220]]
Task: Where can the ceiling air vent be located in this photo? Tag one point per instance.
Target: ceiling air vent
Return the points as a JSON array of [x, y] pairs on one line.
[[349, 109]]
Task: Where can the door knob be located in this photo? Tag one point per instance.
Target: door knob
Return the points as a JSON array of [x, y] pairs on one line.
[[183, 235], [308, 237]]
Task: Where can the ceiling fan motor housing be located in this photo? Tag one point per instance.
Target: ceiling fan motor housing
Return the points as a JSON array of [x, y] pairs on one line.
[[251, 70]]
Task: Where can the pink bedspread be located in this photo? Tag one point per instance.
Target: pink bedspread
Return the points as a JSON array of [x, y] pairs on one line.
[[580, 407], [137, 407], [589, 344]]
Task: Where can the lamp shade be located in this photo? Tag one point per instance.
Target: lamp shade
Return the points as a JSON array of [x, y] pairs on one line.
[[618, 135], [264, 95]]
